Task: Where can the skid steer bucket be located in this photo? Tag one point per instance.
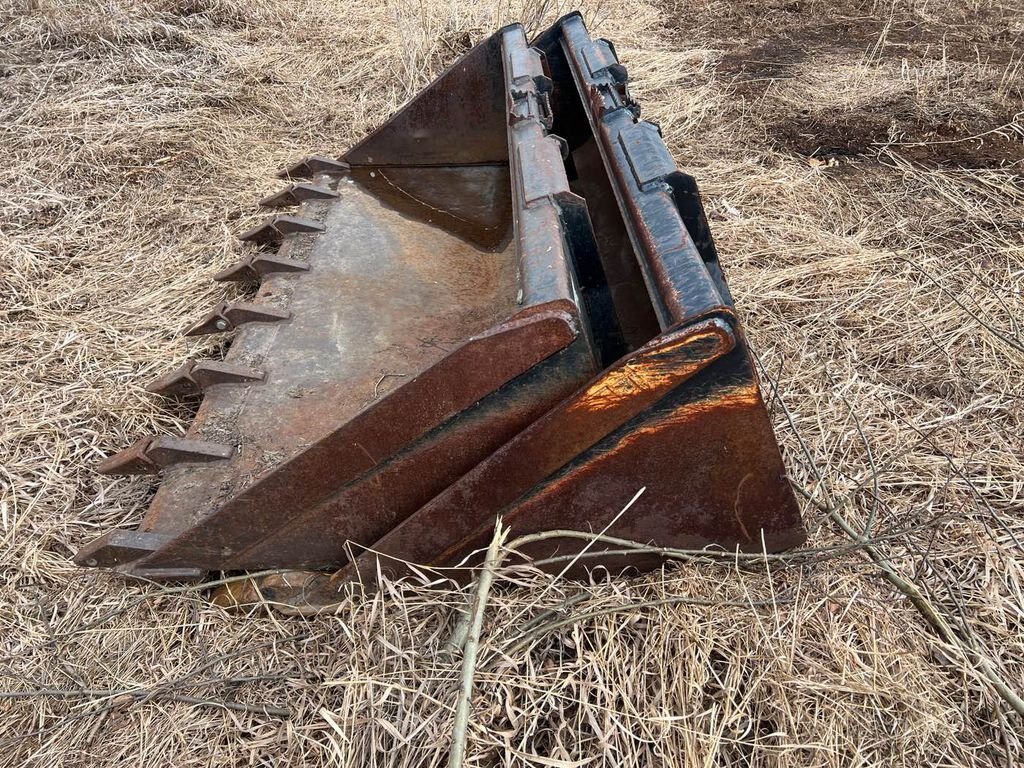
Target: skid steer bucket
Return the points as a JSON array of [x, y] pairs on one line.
[[505, 300]]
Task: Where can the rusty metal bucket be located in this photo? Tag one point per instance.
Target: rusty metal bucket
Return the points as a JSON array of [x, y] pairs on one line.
[[505, 300]]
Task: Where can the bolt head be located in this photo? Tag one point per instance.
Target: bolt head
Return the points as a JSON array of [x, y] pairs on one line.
[[221, 325], [91, 562]]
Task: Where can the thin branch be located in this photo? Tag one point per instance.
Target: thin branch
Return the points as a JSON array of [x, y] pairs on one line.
[[457, 755], [561, 610], [637, 546], [726, 557]]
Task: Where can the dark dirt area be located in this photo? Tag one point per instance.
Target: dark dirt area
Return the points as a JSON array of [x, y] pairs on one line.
[[766, 45], [964, 143]]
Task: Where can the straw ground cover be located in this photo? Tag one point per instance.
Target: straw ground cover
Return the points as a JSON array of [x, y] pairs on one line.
[[862, 168]]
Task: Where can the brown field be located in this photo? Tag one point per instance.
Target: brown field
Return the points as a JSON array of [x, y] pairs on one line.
[[863, 168]]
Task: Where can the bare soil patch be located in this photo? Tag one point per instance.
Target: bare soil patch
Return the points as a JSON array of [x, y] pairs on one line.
[[961, 141], [766, 44]]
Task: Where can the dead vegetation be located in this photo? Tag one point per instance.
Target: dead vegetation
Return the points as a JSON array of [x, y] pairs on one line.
[[863, 167]]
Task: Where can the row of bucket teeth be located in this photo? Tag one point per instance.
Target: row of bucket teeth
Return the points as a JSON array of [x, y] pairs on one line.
[[151, 454]]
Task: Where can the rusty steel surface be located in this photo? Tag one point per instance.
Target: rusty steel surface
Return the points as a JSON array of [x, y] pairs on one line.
[[578, 423], [457, 120], [505, 300]]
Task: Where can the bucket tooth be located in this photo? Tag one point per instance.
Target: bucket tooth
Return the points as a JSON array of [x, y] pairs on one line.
[[151, 454], [119, 547], [133, 460], [165, 451], [177, 383], [314, 165], [195, 377], [210, 373], [127, 550], [228, 316], [295, 194], [272, 231], [253, 268]]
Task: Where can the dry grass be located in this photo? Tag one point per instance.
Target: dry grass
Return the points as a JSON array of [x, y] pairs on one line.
[[882, 285]]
